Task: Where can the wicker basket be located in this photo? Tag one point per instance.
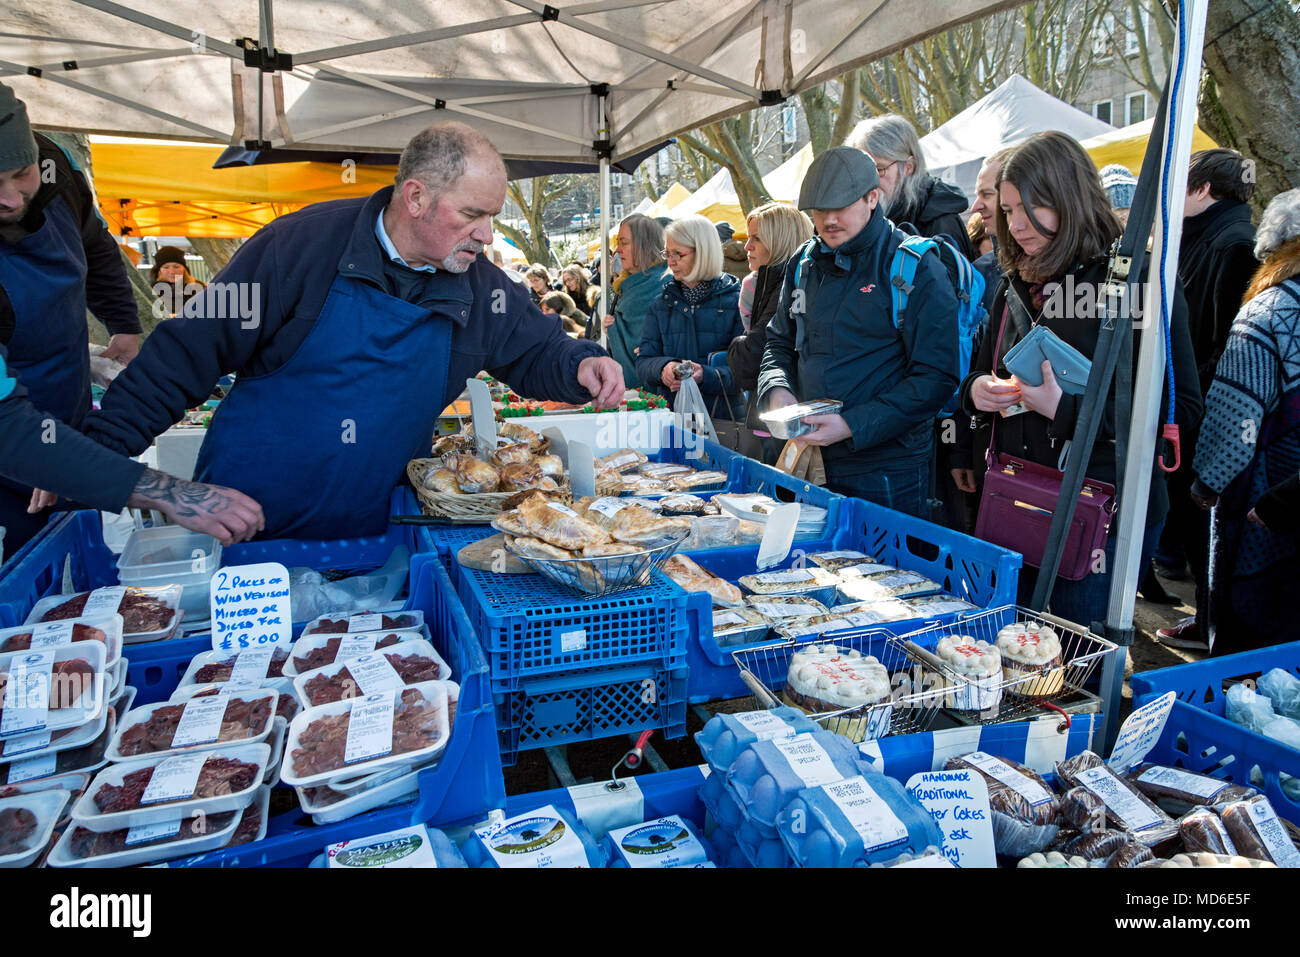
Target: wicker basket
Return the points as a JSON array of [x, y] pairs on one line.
[[465, 509]]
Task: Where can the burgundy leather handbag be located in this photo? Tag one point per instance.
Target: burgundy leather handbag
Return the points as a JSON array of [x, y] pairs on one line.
[[1019, 498]]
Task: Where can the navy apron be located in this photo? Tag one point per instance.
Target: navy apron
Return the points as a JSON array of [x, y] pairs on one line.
[[44, 275], [321, 441]]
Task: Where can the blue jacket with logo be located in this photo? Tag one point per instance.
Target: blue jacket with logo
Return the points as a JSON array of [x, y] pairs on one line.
[[843, 345], [675, 330]]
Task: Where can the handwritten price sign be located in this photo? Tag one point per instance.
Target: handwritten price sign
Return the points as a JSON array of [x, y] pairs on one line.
[[959, 803], [250, 607]]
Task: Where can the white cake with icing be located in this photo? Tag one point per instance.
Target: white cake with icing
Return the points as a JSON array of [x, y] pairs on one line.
[[978, 666], [1031, 650]]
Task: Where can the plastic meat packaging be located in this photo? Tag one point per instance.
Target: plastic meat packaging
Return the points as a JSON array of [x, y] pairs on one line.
[[365, 621], [1258, 833], [1178, 791], [106, 630], [72, 688], [317, 651], [411, 662], [1201, 830], [237, 718], [195, 834], [1127, 808], [26, 824], [1023, 804], [148, 614]]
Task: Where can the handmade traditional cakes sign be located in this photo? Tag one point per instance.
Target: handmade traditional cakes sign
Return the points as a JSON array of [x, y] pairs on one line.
[[959, 803], [250, 607]]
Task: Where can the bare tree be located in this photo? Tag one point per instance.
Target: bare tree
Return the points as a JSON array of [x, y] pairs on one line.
[[533, 197], [736, 143], [831, 110]]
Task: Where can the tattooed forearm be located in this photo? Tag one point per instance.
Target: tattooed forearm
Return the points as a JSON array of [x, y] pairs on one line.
[[177, 496]]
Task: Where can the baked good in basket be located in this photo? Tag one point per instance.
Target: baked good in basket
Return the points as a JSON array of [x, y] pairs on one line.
[[1031, 659]]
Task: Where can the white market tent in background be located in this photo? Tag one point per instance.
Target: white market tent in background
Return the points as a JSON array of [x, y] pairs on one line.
[[1015, 110], [717, 202]]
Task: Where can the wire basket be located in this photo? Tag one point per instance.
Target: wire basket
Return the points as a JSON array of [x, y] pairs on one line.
[[1010, 696], [909, 709], [606, 574]]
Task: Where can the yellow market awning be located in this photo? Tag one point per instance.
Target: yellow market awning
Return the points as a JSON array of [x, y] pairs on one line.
[[1127, 146]]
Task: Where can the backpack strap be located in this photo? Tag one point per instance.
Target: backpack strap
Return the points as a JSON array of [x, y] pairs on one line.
[[902, 270]]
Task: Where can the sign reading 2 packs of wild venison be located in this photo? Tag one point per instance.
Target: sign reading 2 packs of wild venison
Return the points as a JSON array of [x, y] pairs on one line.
[[250, 607]]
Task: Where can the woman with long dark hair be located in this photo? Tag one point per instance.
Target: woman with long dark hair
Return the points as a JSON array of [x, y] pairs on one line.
[[1055, 230]]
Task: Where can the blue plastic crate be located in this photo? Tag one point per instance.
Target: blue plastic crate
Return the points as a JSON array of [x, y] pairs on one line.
[[460, 789], [530, 626], [591, 704], [1203, 684], [1197, 740], [647, 796]]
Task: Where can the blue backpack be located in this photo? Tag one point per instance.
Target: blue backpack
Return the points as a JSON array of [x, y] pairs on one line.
[[967, 283]]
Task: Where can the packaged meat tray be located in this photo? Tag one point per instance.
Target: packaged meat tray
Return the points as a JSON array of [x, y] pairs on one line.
[[546, 837], [796, 581], [149, 844], [136, 793], [406, 663], [365, 621], [200, 723], [116, 679], [316, 651], [148, 614], [666, 842], [27, 823], [1127, 808], [863, 820], [405, 726], [248, 668], [780, 608], [61, 688], [1178, 791], [287, 705], [768, 775], [71, 757], [55, 634], [254, 819], [895, 584], [726, 735], [275, 741]]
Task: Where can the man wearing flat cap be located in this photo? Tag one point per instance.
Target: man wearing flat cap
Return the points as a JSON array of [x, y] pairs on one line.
[[834, 336]]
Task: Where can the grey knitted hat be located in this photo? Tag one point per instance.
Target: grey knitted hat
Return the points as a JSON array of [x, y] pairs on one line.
[[17, 145]]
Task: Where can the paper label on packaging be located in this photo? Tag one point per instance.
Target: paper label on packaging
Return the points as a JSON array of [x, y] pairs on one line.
[[535, 839], [1119, 800], [174, 779], [27, 693], [353, 646], [861, 571], [792, 610], [51, 634], [200, 721], [764, 725], [374, 673], [250, 667], [618, 461], [1212, 821], [838, 624], [33, 768], [562, 509], [924, 607], [970, 693], [835, 556], [404, 848], [571, 641], [808, 760], [1273, 834], [899, 579], [370, 730], [609, 507], [15, 747], [1203, 787], [722, 619], [145, 833], [1000, 771], [867, 813], [667, 842], [104, 601], [784, 578], [370, 622]]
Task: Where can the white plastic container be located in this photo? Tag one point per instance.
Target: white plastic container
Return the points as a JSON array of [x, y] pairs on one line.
[[90, 701], [394, 791], [74, 784], [287, 705], [23, 747], [110, 625], [87, 814], [415, 647], [354, 647], [433, 691], [167, 551], [169, 595], [125, 698], [143, 714], [205, 658], [47, 807], [260, 805], [275, 741], [359, 622], [196, 835]]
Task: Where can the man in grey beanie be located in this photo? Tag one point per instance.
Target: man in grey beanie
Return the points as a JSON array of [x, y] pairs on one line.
[[56, 260]]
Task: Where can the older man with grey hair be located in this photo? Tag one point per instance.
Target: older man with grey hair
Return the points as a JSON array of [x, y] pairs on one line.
[[359, 321], [914, 200]]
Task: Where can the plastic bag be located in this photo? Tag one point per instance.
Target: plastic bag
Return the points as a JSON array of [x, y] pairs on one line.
[[1283, 689], [313, 595], [1244, 707], [1285, 730]]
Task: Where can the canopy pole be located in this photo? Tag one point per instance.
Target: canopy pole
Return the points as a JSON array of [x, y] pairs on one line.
[[1162, 275], [602, 104]]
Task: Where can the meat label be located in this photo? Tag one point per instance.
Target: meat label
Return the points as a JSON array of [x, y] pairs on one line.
[[1119, 800], [200, 722], [370, 729], [104, 601], [371, 622], [148, 833], [33, 768], [28, 743], [1203, 787], [174, 779], [374, 673], [250, 668], [354, 646], [27, 693], [51, 634]]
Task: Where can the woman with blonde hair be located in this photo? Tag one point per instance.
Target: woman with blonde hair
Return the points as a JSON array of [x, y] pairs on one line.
[[640, 249], [776, 231], [696, 314], [577, 284], [1250, 443]]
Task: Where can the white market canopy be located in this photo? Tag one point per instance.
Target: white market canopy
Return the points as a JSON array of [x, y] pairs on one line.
[[533, 77], [1014, 111]]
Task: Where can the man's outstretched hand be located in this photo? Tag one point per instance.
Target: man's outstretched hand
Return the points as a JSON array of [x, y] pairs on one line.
[[225, 514], [603, 378]]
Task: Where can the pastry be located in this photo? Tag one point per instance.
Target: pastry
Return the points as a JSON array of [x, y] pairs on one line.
[[560, 525], [879, 611], [891, 583], [1201, 830], [733, 624], [513, 501], [806, 629], [453, 444], [1130, 855], [1258, 833], [441, 480], [519, 454], [475, 475], [690, 576], [1031, 660], [511, 524], [610, 551], [1127, 809], [1017, 791], [526, 547], [551, 465], [977, 685], [519, 476], [621, 461], [779, 608], [697, 480], [515, 432], [1178, 791], [682, 505], [1083, 810], [834, 561], [789, 582], [632, 523]]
